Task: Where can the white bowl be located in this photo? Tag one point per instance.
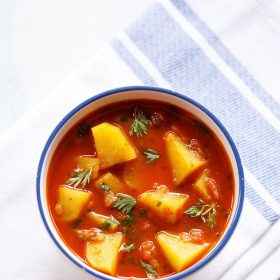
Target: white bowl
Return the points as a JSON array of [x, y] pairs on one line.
[[126, 94]]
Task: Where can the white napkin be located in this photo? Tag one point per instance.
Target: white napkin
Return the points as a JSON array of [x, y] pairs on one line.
[[172, 47]]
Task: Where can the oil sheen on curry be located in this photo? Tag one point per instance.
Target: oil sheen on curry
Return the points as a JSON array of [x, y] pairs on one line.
[[140, 189]]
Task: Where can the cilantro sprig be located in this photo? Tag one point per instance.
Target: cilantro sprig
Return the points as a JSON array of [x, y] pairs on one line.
[[207, 212], [150, 270], [80, 177], [104, 187], [109, 222], [151, 155], [140, 123], [127, 248], [125, 203]]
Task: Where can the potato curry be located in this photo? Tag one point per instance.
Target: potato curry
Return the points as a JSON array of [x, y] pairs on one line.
[[140, 189]]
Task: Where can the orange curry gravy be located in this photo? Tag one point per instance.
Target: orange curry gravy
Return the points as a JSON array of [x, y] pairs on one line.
[[144, 226]]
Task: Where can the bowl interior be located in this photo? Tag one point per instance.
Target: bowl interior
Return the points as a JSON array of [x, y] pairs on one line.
[[102, 100]]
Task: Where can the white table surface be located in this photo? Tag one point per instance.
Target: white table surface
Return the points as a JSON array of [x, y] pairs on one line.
[[43, 41]]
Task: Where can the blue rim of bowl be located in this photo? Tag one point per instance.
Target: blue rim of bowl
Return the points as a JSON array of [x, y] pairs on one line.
[[239, 206]]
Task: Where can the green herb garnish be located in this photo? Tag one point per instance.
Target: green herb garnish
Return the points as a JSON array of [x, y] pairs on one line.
[[207, 212], [80, 177], [77, 223], [140, 123], [150, 270], [151, 155], [125, 203], [108, 223], [83, 129], [127, 248], [104, 187], [128, 220]]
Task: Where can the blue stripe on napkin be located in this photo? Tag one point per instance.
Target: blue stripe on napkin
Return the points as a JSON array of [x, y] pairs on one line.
[[133, 63], [260, 204], [227, 56], [186, 68]]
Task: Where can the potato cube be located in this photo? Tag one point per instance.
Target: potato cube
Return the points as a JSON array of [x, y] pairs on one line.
[[87, 162], [168, 206], [103, 255], [112, 145], [71, 202], [111, 181], [179, 252], [183, 160], [201, 186], [105, 222], [206, 186]]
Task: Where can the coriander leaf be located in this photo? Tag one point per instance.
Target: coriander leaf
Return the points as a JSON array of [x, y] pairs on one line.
[[104, 187], [77, 223], [128, 248], [151, 155], [106, 225], [128, 220], [150, 270], [83, 129], [207, 212], [125, 203], [140, 123], [81, 177], [112, 221], [92, 234]]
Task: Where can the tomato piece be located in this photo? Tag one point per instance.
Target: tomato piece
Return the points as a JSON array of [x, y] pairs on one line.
[[147, 249], [213, 188], [93, 234], [197, 236], [157, 119], [197, 148], [109, 199]]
